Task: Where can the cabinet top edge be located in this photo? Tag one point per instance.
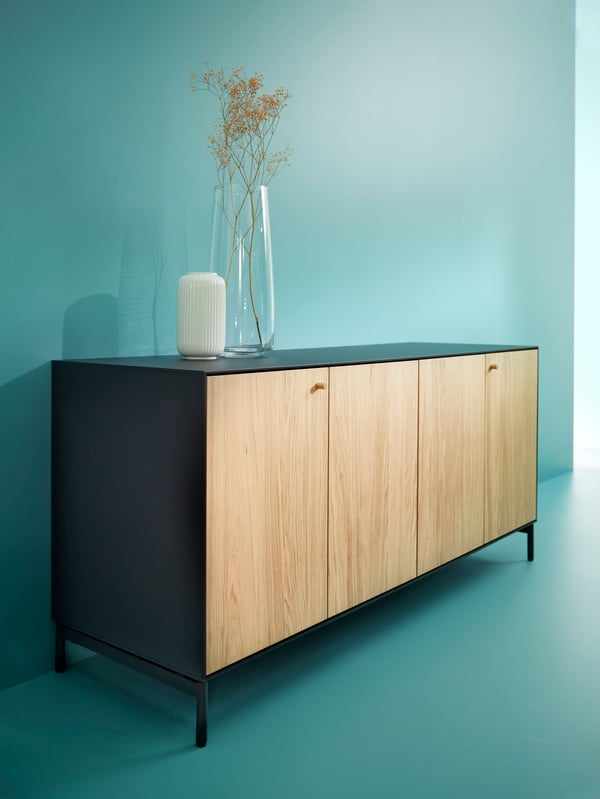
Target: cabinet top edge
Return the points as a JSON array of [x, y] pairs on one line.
[[305, 358]]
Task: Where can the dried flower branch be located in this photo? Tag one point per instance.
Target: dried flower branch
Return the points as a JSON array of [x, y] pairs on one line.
[[245, 126], [244, 130]]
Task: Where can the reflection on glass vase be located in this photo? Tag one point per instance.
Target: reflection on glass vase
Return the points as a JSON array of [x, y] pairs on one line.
[[241, 254]]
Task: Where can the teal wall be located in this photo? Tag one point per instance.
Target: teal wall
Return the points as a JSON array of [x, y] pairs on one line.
[[430, 198]]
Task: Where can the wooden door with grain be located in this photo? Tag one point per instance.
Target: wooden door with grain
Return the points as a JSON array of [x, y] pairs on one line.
[[266, 509], [372, 480], [511, 441], [451, 458]]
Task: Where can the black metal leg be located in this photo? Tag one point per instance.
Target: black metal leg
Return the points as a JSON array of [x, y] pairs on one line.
[[60, 661], [530, 543], [201, 701], [529, 531]]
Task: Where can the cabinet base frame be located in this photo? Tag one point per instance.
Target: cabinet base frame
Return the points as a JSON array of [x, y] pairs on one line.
[[199, 688]]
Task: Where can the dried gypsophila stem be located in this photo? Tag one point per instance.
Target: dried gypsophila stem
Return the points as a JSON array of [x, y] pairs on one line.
[[240, 145], [245, 127]]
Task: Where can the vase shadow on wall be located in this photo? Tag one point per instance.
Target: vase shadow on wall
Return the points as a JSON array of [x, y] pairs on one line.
[[91, 327], [153, 258]]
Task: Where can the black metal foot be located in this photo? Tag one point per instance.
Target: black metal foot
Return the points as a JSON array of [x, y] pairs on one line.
[[530, 544], [60, 661], [529, 531], [201, 701]]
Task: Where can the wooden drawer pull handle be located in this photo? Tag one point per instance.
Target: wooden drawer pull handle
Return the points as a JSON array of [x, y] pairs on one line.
[[493, 366], [317, 386]]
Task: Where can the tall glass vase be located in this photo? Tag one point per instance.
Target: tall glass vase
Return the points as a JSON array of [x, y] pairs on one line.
[[241, 254]]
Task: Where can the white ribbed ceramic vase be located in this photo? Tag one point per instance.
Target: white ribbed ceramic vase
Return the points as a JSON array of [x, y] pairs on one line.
[[201, 315]]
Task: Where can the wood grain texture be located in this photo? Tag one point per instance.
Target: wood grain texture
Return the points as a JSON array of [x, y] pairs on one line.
[[451, 458], [266, 510], [373, 480], [511, 441]]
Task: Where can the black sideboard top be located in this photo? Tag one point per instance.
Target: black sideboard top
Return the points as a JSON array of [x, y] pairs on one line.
[[307, 358]]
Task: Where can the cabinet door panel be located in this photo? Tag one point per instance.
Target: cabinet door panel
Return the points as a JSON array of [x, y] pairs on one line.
[[373, 480], [451, 458], [266, 509], [511, 441]]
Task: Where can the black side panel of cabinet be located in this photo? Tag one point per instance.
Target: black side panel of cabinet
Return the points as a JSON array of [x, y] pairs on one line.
[[128, 509]]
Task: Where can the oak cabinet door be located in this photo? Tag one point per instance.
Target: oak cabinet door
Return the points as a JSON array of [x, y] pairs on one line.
[[372, 480], [511, 441], [266, 509], [451, 458]]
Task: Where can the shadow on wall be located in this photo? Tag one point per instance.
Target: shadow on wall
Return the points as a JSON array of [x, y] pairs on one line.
[[90, 327], [25, 527], [150, 269], [141, 321]]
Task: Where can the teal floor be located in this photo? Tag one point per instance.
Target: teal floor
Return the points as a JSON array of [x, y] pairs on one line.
[[481, 681]]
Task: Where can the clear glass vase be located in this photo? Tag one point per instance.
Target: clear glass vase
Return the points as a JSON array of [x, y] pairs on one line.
[[241, 253]]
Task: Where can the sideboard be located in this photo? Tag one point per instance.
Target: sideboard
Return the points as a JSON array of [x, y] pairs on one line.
[[206, 511]]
